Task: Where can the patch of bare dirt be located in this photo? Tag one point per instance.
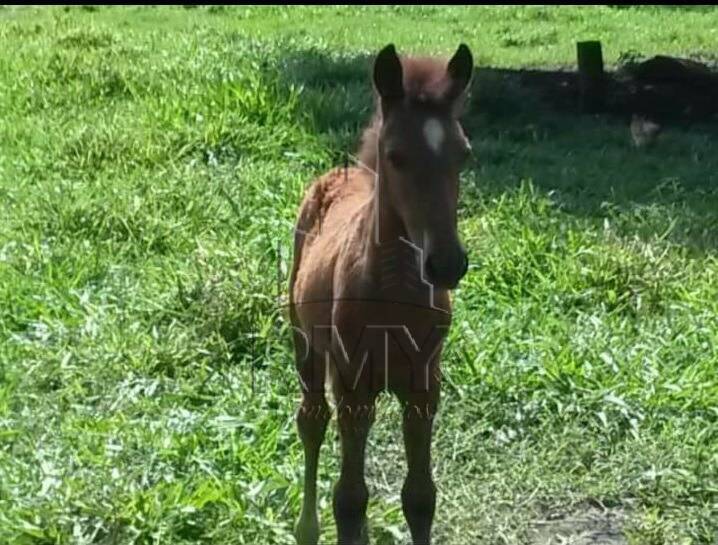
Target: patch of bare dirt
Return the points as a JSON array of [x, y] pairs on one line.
[[584, 525]]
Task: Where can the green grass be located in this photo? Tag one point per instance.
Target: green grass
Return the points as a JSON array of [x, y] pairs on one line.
[[151, 164]]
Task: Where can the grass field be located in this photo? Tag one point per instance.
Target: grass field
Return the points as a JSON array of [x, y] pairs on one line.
[[151, 164]]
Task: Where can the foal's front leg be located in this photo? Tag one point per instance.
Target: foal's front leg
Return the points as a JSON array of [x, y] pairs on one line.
[[312, 420], [418, 494], [350, 493]]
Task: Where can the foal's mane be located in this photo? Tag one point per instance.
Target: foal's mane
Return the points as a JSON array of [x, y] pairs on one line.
[[425, 82]]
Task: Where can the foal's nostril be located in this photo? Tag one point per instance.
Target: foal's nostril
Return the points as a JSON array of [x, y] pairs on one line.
[[429, 270], [446, 273]]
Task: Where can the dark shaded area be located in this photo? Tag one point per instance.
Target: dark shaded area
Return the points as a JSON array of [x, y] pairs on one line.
[[666, 89], [526, 124]]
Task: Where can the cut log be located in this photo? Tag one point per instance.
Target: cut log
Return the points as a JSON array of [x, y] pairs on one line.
[[661, 69]]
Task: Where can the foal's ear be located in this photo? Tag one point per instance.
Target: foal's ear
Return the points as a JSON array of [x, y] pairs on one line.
[[460, 69], [388, 77]]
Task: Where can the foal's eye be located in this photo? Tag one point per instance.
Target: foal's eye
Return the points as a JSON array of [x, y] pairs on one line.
[[396, 158]]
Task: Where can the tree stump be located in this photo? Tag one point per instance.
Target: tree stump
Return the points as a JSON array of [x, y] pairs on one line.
[[592, 84]]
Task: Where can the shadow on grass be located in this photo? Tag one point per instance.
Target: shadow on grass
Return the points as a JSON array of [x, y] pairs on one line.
[[529, 131]]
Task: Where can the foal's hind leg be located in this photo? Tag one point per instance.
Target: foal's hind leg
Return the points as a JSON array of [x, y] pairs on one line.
[[350, 493], [418, 494], [312, 418]]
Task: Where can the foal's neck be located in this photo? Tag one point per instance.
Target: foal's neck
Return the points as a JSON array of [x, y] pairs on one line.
[[386, 227], [392, 260]]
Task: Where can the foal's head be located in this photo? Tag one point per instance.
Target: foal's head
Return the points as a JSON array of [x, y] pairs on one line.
[[420, 151]]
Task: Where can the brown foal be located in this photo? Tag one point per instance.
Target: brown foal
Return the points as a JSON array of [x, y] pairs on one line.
[[376, 253]]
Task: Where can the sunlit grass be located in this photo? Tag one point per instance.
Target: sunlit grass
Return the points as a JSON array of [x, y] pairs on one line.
[[151, 163]]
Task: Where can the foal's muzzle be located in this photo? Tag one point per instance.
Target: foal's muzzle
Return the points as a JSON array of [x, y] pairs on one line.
[[445, 271]]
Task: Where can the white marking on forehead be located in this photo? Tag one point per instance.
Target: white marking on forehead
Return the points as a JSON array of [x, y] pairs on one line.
[[434, 134]]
